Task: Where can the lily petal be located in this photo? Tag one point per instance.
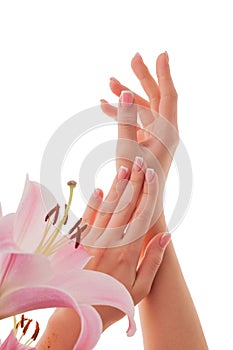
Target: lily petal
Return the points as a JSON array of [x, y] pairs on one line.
[[97, 288], [17, 270], [29, 224], [11, 343], [91, 328], [27, 299], [69, 258], [6, 233]]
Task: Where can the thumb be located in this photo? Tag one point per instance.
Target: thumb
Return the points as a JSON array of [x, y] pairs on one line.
[[149, 265]]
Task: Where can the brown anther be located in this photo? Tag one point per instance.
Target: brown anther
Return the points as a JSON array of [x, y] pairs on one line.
[[21, 322], [81, 230], [26, 326], [77, 237], [75, 226], [65, 222], [37, 330], [54, 211], [72, 183]]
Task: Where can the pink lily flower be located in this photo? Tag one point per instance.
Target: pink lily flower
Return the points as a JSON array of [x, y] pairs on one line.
[[12, 343], [40, 268]]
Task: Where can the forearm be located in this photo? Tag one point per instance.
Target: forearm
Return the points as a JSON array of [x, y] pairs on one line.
[[61, 332], [168, 316]]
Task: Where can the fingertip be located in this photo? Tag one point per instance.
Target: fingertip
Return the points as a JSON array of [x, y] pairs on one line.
[[163, 58], [98, 193], [102, 101], [164, 239]]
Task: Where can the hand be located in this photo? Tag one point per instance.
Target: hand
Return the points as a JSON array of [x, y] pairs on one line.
[[159, 123], [116, 232], [114, 238]]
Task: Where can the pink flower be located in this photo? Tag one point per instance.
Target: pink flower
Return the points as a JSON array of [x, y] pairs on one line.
[[40, 268], [11, 343]]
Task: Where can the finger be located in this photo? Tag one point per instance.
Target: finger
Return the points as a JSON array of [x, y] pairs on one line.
[[108, 109], [129, 198], [109, 204], [111, 111], [168, 94], [149, 266], [140, 222], [127, 117], [147, 81], [92, 209], [146, 116], [117, 88]]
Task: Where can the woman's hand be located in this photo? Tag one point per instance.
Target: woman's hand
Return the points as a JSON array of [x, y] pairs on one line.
[[116, 232], [157, 139], [114, 237]]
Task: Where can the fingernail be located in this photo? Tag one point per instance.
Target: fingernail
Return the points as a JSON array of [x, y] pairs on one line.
[[122, 172], [138, 55], [97, 193], [164, 240], [115, 80], [150, 174], [126, 98], [138, 162], [166, 53]]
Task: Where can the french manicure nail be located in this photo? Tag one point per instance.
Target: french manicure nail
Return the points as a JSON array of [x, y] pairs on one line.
[[166, 53], [150, 174], [126, 98], [138, 162], [138, 55], [115, 80], [164, 240], [122, 172], [97, 193]]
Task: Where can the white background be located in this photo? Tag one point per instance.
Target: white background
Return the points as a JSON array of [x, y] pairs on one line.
[[56, 59]]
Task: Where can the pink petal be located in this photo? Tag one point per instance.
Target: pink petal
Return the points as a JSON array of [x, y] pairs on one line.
[[91, 328], [27, 299], [29, 224], [0, 210], [68, 258], [6, 233], [22, 270], [11, 343], [96, 288]]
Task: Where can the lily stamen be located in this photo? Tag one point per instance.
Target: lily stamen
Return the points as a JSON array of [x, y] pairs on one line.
[[25, 329]]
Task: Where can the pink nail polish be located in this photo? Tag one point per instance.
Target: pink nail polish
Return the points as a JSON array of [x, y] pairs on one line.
[[122, 172], [126, 98], [165, 239], [150, 174], [138, 162]]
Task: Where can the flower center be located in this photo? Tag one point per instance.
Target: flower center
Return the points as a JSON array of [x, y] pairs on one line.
[[51, 240]]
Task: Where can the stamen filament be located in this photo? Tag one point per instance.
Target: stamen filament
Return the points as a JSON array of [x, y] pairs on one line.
[[54, 235], [46, 231]]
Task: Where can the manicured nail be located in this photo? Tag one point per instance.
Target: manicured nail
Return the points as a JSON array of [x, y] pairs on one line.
[[150, 174], [138, 162], [166, 53], [126, 98], [165, 239], [138, 55], [97, 193], [115, 80], [122, 172], [103, 101]]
